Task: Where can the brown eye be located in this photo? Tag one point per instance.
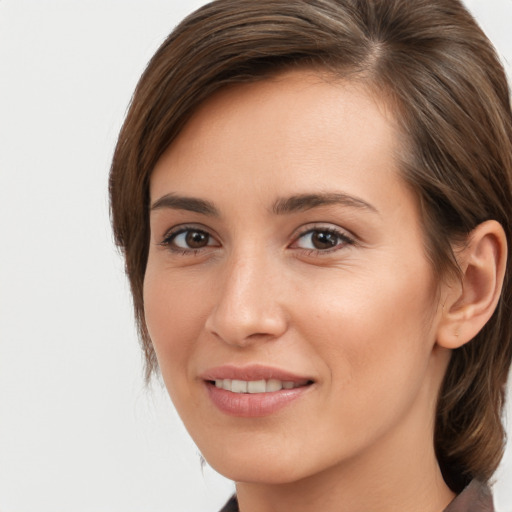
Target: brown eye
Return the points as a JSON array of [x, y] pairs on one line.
[[189, 239], [324, 240], [196, 239]]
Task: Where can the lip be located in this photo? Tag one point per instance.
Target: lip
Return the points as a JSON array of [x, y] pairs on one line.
[[253, 405], [252, 372]]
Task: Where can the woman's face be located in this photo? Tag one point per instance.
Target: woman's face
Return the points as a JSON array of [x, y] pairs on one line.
[[287, 293]]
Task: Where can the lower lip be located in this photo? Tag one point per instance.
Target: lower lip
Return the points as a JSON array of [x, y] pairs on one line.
[[253, 405]]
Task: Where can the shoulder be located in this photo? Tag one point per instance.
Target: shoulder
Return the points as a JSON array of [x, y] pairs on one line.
[[230, 506], [476, 497]]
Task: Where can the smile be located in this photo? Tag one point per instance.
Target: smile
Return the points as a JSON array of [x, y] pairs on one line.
[[255, 390], [256, 386]]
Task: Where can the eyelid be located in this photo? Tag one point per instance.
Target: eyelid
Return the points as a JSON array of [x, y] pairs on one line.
[[346, 237], [175, 231]]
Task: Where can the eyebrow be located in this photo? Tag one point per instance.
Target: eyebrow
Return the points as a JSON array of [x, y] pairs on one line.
[[191, 204], [302, 202], [283, 206]]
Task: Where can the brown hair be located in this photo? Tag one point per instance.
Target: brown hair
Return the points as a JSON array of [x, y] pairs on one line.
[[451, 100]]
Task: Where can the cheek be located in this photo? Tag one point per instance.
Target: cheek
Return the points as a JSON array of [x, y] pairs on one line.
[[373, 332], [174, 313]]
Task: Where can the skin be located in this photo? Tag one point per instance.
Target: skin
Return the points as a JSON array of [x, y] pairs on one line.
[[361, 318]]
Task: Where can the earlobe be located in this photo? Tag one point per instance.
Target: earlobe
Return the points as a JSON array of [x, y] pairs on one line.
[[470, 303]]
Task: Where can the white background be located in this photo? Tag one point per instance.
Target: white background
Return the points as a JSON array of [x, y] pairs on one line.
[[78, 430]]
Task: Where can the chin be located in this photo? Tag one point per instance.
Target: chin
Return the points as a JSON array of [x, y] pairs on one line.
[[256, 472], [261, 463]]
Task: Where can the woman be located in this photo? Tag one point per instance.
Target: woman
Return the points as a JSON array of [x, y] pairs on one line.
[[314, 203]]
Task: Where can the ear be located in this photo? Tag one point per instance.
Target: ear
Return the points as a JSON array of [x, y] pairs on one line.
[[468, 304]]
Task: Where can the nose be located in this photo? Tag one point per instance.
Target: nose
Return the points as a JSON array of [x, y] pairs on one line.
[[247, 308]]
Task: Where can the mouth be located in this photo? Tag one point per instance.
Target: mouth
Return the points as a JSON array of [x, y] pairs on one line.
[[257, 386], [253, 391]]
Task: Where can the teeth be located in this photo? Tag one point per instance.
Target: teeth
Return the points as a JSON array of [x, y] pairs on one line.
[[239, 386], [273, 385], [254, 386]]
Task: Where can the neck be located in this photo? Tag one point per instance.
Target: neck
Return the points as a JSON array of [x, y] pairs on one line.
[[399, 471], [418, 486]]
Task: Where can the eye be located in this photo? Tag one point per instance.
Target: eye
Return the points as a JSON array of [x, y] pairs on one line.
[[322, 239], [189, 239]]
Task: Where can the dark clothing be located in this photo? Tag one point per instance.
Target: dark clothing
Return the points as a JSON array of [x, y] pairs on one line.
[[231, 505], [476, 497]]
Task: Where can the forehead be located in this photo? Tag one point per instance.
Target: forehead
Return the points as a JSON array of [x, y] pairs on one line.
[[287, 130]]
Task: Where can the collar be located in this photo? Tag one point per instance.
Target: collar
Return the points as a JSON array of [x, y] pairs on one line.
[[476, 497]]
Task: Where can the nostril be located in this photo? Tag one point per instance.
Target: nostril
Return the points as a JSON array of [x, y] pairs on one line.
[[245, 328]]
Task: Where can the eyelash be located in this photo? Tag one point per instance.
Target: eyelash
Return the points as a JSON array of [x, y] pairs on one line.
[[171, 236], [341, 236]]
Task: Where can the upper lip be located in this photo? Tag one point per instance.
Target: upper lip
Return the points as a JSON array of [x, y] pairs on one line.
[[252, 372]]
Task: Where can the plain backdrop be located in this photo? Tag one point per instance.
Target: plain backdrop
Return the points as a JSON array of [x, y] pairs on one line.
[[79, 432]]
